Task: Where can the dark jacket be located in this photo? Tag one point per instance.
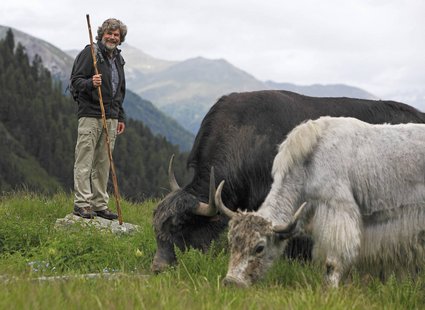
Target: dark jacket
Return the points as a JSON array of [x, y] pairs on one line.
[[86, 95]]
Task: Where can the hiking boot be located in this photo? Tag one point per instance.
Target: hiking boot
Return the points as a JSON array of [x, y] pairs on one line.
[[106, 214], [86, 212]]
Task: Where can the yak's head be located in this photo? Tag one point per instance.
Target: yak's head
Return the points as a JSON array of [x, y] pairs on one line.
[[254, 243], [182, 220]]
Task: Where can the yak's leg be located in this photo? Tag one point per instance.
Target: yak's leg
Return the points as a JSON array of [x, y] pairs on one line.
[[337, 238]]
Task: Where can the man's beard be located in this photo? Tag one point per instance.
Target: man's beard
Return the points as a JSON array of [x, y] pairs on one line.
[[108, 45]]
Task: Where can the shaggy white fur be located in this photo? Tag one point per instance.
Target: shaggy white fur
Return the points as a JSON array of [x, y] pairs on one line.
[[365, 188]]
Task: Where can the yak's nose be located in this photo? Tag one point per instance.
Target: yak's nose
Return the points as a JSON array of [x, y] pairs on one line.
[[233, 281], [158, 267], [160, 264], [164, 256]]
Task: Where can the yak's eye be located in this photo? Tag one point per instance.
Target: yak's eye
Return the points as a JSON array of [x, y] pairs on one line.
[[259, 249]]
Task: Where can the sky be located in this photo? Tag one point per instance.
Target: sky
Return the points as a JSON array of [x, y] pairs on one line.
[[378, 45]]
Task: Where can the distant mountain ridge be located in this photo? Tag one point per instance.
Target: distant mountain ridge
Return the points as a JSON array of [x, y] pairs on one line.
[[194, 76], [185, 90], [58, 62], [319, 90], [188, 89]]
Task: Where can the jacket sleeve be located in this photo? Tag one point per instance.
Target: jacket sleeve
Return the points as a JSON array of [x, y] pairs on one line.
[[82, 71], [121, 114]]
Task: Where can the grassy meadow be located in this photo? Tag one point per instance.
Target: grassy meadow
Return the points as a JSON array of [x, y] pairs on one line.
[[41, 268]]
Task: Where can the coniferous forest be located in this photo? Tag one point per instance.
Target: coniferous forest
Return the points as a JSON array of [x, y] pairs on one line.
[[38, 128]]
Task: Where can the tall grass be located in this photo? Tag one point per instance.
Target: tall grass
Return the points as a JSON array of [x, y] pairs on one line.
[[31, 249]]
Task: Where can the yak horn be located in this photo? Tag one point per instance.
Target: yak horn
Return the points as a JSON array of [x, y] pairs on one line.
[[229, 213], [171, 177], [288, 229], [209, 209]]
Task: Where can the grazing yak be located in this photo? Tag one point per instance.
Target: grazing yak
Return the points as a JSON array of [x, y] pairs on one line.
[[361, 189], [239, 137]]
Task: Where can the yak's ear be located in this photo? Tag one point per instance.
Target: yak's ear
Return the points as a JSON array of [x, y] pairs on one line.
[[287, 233]]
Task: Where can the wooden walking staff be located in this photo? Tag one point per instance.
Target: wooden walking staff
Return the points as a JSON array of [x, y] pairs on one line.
[[102, 108]]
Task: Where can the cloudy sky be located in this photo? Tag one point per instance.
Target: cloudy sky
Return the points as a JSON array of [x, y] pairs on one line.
[[378, 45]]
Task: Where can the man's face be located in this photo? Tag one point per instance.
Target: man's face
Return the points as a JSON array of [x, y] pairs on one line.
[[111, 39]]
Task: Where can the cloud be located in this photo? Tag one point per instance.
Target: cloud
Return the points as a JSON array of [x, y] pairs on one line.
[[373, 44]]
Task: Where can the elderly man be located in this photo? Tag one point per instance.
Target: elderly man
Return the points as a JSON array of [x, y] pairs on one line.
[[91, 168]]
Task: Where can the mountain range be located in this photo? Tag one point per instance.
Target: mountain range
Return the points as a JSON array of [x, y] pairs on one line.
[[186, 90], [172, 97]]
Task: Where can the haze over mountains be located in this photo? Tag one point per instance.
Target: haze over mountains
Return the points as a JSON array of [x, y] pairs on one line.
[[185, 90]]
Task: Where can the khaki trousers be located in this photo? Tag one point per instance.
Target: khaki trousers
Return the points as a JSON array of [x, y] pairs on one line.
[[91, 168]]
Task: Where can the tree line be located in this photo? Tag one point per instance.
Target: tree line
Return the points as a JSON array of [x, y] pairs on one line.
[[38, 124]]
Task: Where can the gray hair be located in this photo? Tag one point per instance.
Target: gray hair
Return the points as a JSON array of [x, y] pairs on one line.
[[112, 24]]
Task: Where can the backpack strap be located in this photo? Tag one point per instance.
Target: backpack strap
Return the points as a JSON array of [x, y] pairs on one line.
[[98, 53]]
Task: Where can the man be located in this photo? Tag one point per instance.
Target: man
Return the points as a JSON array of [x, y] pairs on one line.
[[91, 168]]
